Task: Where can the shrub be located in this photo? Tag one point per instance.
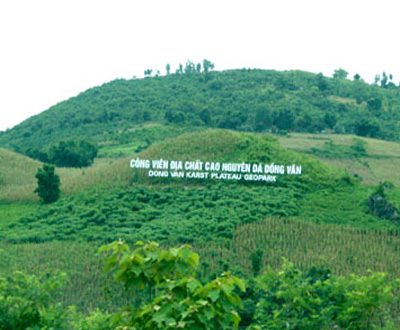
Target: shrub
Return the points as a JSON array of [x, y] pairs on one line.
[[26, 302], [48, 187], [176, 299], [293, 300]]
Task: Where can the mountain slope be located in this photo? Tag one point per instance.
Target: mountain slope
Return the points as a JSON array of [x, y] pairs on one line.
[[248, 100]]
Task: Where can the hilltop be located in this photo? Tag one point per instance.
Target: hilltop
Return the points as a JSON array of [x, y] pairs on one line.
[[243, 100]]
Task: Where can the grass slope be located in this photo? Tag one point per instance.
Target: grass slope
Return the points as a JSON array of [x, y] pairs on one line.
[[379, 161], [17, 176], [18, 182]]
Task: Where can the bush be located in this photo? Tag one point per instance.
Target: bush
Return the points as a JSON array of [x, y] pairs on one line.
[[26, 302], [293, 300], [176, 299], [48, 184]]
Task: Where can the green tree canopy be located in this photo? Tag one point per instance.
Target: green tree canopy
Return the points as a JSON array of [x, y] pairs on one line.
[[73, 154]]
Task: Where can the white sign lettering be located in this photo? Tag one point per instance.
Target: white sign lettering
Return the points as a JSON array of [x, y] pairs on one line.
[[161, 168]]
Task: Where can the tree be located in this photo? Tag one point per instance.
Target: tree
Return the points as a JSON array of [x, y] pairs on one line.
[[48, 187], [340, 74], [263, 119], [190, 67], [176, 298], [284, 119], [180, 69], [384, 80], [367, 127], [207, 65], [256, 261], [205, 116], [374, 104], [168, 69], [322, 82], [27, 302], [73, 154], [330, 119], [377, 79]]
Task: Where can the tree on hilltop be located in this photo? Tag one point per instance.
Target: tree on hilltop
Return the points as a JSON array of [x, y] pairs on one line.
[[207, 65]]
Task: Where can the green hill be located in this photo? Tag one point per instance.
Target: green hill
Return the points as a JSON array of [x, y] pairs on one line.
[[244, 100], [319, 218], [124, 202], [327, 132]]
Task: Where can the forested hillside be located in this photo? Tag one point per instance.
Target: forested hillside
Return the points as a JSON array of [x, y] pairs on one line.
[[188, 158], [244, 100]]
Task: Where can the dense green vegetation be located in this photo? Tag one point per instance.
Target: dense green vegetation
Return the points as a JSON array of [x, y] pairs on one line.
[[178, 215], [138, 138], [174, 214], [341, 249], [318, 300], [200, 210], [172, 296], [68, 154], [330, 222], [12, 212], [246, 100]]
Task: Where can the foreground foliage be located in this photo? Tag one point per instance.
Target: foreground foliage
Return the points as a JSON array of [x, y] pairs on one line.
[[291, 299], [176, 298], [27, 302], [173, 297]]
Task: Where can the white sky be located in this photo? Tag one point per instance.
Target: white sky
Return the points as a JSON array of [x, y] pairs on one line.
[[54, 49]]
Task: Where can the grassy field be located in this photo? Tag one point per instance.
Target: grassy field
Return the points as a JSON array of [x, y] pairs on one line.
[[17, 177], [18, 182], [88, 286], [381, 162]]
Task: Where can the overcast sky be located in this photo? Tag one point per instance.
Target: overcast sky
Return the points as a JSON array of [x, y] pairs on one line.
[[53, 50]]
